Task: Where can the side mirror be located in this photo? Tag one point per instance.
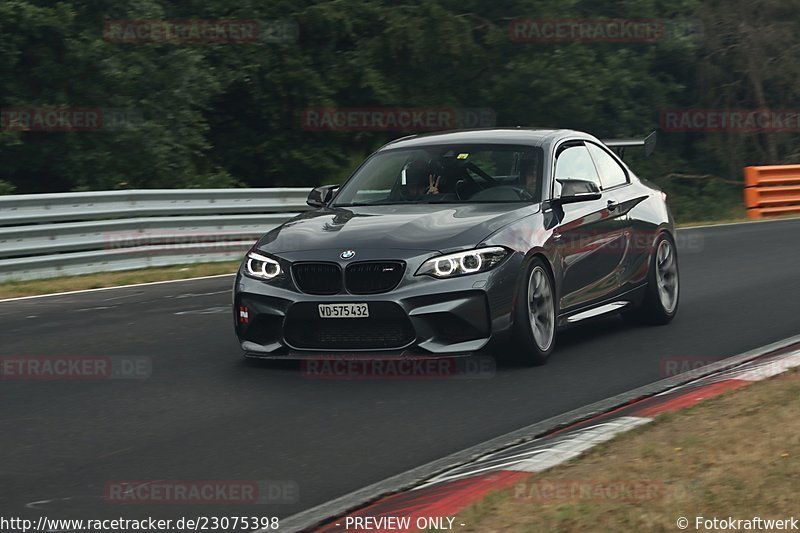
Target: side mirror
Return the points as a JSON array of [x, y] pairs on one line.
[[574, 190], [320, 196]]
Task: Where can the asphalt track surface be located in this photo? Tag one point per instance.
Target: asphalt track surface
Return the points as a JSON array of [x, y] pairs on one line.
[[206, 414]]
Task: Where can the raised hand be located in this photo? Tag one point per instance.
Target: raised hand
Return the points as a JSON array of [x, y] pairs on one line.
[[433, 187]]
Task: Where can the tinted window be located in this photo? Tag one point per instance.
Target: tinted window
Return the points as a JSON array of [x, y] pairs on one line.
[[446, 174], [611, 174], [574, 162]]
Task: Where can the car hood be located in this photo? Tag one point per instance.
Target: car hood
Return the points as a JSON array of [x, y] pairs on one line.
[[435, 227]]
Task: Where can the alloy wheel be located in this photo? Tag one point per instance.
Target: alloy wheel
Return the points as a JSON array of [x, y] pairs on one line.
[[541, 308]]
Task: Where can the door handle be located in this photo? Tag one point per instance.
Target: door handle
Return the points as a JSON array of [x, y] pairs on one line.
[[612, 205]]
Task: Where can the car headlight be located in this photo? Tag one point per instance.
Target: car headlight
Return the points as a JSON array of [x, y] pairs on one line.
[[462, 263], [261, 267]]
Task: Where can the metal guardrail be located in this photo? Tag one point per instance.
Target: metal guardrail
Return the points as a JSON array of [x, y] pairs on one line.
[[49, 235]]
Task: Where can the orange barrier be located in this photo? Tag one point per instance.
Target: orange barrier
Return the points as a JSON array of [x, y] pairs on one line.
[[772, 191]]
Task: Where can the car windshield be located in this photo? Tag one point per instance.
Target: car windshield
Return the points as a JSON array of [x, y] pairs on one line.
[[446, 174]]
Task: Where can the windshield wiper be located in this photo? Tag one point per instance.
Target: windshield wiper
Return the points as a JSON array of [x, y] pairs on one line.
[[405, 202]]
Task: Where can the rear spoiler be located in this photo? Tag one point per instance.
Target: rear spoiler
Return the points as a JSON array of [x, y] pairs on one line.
[[619, 145]]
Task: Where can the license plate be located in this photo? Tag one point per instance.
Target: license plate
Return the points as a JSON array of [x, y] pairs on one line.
[[343, 310]]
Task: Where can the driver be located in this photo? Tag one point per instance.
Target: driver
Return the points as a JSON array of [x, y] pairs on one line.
[[420, 181], [528, 176]]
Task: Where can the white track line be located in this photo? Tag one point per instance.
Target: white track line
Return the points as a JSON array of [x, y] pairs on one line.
[[115, 287], [758, 221]]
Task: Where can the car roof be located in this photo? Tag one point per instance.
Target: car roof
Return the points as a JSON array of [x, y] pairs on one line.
[[518, 135]]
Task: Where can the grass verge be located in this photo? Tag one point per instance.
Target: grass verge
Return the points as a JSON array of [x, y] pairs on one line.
[[15, 289], [736, 455]]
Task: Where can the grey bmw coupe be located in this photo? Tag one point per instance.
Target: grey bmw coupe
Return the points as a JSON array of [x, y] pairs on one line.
[[452, 243]]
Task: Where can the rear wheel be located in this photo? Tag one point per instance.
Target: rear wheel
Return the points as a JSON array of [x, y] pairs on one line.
[[662, 293], [535, 317]]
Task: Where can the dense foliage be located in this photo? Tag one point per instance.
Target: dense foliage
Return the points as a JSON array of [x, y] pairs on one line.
[[230, 114]]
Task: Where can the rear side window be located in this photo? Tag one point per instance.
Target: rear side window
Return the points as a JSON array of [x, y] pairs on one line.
[[611, 173]]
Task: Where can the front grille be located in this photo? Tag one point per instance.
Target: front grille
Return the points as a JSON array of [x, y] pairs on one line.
[[318, 278], [387, 327], [373, 277]]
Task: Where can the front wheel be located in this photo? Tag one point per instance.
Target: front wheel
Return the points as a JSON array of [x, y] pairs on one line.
[[663, 286], [534, 317]]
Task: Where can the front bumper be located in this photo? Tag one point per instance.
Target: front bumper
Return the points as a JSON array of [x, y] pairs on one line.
[[422, 316]]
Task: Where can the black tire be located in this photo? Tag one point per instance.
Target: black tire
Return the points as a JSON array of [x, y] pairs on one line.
[[656, 308], [524, 348]]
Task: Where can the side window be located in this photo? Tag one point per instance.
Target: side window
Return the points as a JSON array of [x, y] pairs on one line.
[[611, 174], [574, 162]]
